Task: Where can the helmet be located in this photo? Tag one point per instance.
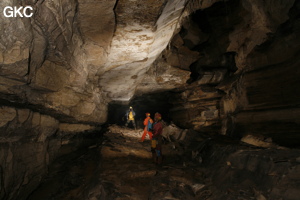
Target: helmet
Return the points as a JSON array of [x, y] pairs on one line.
[[130, 107], [157, 116], [148, 114]]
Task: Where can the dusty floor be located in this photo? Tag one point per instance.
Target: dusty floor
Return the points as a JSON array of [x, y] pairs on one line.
[[128, 165], [120, 167]]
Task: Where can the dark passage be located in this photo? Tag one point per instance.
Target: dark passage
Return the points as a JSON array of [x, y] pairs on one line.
[[152, 103], [224, 75]]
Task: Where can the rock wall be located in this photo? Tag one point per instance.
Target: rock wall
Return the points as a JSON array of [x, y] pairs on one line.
[[43, 61], [47, 86], [25, 150], [197, 108], [244, 80], [196, 104], [29, 141], [264, 98]]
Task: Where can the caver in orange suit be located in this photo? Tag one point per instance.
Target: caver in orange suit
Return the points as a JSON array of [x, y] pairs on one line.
[[148, 126]]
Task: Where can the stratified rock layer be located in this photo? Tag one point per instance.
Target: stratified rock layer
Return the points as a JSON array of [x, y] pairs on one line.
[[232, 68], [264, 99], [29, 142], [248, 59]]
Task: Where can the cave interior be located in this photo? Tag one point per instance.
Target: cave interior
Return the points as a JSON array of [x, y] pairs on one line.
[[224, 74]]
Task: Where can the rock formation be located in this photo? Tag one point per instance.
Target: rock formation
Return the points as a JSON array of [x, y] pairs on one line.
[[216, 67]]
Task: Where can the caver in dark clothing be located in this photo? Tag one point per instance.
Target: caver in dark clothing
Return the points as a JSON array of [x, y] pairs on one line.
[[156, 145]]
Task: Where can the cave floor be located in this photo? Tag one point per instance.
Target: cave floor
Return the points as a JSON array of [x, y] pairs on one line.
[[120, 167], [127, 164]]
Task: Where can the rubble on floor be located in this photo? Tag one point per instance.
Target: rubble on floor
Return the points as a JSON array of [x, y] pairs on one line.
[[198, 167]]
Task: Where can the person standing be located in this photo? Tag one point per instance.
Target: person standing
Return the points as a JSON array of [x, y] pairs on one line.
[[148, 127], [130, 114], [156, 145]]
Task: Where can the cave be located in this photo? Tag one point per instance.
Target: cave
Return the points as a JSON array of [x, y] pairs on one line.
[[223, 74]]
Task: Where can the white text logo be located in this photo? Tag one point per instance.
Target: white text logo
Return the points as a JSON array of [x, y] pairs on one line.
[[18, 11]]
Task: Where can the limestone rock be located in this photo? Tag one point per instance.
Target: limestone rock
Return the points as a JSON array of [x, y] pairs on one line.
[[23, 115], [261, 23], [182, 58], [137, 43], [174, 132], [75, 128], [161, 77], [7, 115], [232, 67], [197, 108], [51, 77], [250, 139]]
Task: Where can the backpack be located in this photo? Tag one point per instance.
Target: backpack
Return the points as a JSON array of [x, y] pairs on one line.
[[150, 125]]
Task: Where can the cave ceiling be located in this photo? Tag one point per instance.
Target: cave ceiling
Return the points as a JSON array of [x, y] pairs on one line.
[[74, 57]]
